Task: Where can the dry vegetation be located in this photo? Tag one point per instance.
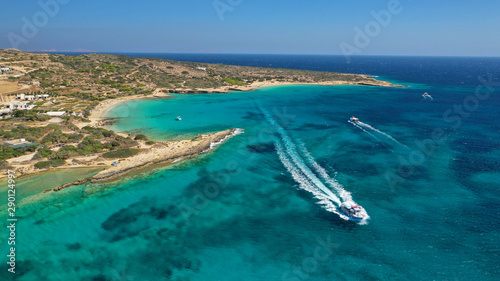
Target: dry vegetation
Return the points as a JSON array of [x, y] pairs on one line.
[[79, 83], [8, 86], [99, 76]]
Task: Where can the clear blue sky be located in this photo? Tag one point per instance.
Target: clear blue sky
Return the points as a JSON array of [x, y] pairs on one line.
[[423, 27]]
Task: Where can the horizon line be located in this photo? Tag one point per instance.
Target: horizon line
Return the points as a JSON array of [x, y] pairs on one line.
[[263, 54]]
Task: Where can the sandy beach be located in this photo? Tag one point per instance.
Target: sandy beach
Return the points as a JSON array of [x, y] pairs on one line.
[[97, 117], [161, 153], [271, 83], [98, 114]]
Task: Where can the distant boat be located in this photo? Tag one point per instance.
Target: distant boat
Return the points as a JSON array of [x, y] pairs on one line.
[[178, 118], [353, 211], [354, 119], [426, 96]]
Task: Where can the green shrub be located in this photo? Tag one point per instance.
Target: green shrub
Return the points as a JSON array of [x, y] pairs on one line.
[[51, 163], [72, 127], [141, 137], [31, 139], [44, 152], [121, 153], [60, 155], [54, 137], [115, 144], [86, 96], [124, 88], [233, 81], [150, 142], [65, 152], [59, 137], [98, 132], [69, 148], [74, 137], [112, 145], [107, 133], [7, 152], [30, 115], [31, 148], [89, 145], [105, 81]]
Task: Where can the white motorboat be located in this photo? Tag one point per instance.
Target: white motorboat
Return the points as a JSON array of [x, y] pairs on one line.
[[354, 119], [353, 211], [427, 96], [178, 118]]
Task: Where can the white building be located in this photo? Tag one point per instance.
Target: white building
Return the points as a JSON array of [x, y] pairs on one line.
[[31, 97], [201, 68], [44, 96], [19, 105], [56, 113]]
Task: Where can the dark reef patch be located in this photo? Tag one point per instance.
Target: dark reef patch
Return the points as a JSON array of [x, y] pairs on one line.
[[261, 148]]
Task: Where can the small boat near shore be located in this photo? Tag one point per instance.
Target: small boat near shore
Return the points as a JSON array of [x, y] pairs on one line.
[[353, 211], [354, 119], [178, 118]]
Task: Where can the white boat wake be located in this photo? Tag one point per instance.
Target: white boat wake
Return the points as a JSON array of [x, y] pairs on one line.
[[333, 183], [366, 126], [310, 176], [362, 129], [329, 202]]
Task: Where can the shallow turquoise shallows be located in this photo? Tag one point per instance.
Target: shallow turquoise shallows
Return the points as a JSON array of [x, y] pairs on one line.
[[256, 207]]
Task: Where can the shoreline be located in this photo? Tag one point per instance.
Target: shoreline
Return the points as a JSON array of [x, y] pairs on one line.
[[159, 155], [369, 81], [98, 119], [98, 115]]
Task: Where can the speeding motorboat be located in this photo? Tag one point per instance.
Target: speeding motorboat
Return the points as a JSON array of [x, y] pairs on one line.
[[353, 211], [178, 118], [427, 96], [354, 119]]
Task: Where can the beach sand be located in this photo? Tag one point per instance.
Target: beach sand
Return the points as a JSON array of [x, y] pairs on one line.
[[271, 83], [159, 154], [163, 152], [98, 114]]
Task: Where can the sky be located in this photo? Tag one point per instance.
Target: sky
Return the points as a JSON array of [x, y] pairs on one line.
[[332, 27]]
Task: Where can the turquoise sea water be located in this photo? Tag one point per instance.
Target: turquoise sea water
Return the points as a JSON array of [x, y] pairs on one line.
[[255, 208]]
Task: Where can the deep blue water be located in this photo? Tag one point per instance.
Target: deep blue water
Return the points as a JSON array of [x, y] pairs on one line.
[[426, 171]]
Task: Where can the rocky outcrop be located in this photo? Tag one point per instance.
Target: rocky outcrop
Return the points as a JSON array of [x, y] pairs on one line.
[[160, 155]]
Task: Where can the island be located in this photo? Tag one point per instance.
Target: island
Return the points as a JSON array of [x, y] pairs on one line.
[[53, 108]]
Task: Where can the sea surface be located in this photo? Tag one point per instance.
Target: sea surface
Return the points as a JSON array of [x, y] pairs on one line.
[[263, 205]]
